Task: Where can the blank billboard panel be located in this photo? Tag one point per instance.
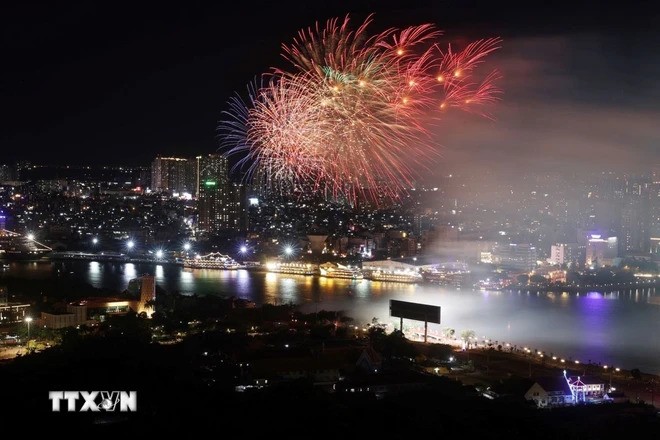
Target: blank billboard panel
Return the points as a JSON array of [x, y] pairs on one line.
[[415, 311]]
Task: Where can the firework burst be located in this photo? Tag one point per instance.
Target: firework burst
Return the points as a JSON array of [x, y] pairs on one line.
[[351, 116]]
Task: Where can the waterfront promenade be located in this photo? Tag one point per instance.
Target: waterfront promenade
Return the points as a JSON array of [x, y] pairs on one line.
[[492, 365]]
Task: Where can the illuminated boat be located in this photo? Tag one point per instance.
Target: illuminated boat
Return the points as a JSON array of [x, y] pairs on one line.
[[394, 276], [295, 268], [331, 270], [214, 260], [445, 277]]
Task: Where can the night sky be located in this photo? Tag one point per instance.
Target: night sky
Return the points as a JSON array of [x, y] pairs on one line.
[[112, 83]]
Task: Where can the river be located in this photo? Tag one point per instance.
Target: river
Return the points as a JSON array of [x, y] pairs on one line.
[[620, 329]]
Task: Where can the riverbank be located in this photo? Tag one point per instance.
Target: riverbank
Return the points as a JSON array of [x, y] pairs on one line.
[[491, 366], [605, 288]]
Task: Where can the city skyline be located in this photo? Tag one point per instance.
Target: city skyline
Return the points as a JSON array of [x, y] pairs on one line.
[[578, 88], [402, 218]]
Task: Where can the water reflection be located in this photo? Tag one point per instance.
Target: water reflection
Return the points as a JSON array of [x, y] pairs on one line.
[[160, 274], [187, 281], [95, 273], [129, 272], [621, 327]]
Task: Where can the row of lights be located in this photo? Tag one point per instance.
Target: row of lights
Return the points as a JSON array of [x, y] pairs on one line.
[[186, 247], [130, 244], [577, 362]]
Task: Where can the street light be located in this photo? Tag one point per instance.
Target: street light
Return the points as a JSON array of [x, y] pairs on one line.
[[159, 254], [28, 319], [30, 236], [95, 240], [130, 244], [243, 249], [612, 370], [186, 246], [288, 250]]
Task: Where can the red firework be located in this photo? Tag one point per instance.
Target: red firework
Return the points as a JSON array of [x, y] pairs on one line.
[[352, 115]]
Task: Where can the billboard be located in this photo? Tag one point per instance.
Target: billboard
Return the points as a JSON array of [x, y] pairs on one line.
[[415, 311]]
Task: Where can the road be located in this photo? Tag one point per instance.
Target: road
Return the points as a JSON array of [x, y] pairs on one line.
[[7, 353], [493, 365]]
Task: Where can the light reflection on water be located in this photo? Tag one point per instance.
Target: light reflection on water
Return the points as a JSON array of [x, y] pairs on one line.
[[615, 328]]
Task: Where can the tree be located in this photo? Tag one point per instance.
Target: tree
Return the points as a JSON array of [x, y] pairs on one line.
[[448, 332], [466, 337], [377, 335], [396, 346]]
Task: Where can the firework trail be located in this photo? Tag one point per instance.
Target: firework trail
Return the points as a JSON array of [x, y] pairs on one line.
[[351, 117]]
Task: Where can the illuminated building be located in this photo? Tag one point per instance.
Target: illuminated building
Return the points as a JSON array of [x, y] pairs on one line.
[[6, 173], [211, 167], [12, 312], [259, 187], [221, 203], [585, 389], [173, 175], [147, 295], [655, 245], [87, 312], [654, 211], [514, 256], [563, 253], [601, 251], [140, 299], [316, 243]]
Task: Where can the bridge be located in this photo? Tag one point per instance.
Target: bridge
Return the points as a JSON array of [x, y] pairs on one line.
[[15, 244]]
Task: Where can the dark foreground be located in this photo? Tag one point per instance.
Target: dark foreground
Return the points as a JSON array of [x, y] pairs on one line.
[[175, 391]]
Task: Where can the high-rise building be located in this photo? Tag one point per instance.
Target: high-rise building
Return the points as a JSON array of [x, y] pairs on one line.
[[601, 251], [522, 256], [142, 177], [237, 209], [173, 175], [211, 167], [221, 203], [563, 253], [21, 168], [259, 186], [636, 216], [6, 173], [654, 224]]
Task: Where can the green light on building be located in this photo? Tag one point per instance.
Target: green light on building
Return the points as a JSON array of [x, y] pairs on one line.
[[209, 183]]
